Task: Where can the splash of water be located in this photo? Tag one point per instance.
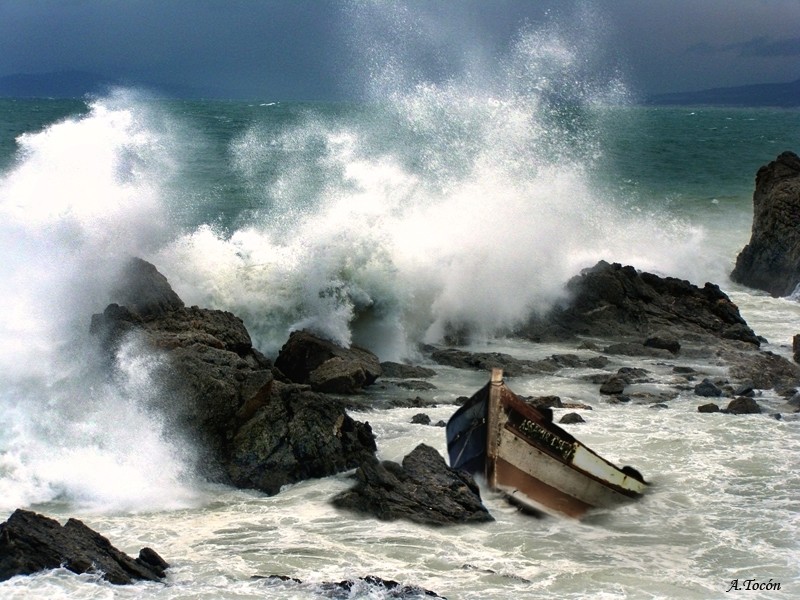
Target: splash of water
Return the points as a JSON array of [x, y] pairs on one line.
[[82, 197], [445, 204]]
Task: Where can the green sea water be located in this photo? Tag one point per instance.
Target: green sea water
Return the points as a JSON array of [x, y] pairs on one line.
[[382, 224]]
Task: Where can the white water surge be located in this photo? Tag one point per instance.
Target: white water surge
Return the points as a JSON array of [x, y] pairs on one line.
[[446, 204]]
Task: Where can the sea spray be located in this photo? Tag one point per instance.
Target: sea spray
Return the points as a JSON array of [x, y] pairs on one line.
[[441, 206], [81, 198]]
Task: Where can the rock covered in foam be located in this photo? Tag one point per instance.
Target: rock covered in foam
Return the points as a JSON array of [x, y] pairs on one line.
[[221, 392]]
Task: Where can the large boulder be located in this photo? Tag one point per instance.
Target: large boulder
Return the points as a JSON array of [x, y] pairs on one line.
[[30, 542], [326, 366], [295, 435], [214, 383], [423, 489], [771, 260], [617, 302]]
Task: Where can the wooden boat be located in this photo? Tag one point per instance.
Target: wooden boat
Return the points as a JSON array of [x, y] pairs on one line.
[[538, 465]]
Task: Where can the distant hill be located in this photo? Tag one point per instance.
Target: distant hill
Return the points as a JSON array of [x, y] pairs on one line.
[[62, 84], [78, 84], [764, 94]]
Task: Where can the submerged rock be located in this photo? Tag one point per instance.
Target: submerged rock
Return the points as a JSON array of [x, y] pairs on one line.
[[423, 489], [771, 259], [361, 587], [30, 542]]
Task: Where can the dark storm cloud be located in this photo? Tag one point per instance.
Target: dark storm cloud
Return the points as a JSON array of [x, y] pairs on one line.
[[327, 49]]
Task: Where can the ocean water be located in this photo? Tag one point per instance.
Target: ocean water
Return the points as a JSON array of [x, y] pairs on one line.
[[385, 223]]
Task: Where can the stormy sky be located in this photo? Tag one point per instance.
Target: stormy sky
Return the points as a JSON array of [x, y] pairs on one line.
[[335, 49]]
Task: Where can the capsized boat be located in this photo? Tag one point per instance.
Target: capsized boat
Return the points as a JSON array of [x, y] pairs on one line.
[[538, 465]]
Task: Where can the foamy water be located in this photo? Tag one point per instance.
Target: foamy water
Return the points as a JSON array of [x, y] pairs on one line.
[[450, 204]]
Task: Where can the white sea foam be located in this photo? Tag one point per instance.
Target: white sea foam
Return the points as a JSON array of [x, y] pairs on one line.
[[83, 196], [474, 213]]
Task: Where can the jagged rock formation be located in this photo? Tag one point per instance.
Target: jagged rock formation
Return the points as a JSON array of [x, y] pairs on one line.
[[30, 542], [325, 366], [771, 260], [423, 489], [252, 430], [614, 301]]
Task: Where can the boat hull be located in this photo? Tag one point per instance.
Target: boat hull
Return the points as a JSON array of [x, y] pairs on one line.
[[534, 462]]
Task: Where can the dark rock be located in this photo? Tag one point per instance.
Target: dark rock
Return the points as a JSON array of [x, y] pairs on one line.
[[145, 291], [707, 389], [613, 385], [659, 405], [512, 366], [708, 408], [296, 434], [771, 260], [636, 349], [683, 370], [545, 401], [615, 301], [762, 370], [363, 587], [743, 406], [571, 418], [413, 384], [669, 344], [440, 423], [30, 542], [338, 376], [416, 402], [796, 348], [327, 367], [396, 370], [633, 375], [745, 388], [483, 361], [219, 391], [424, 490], [421, 419]]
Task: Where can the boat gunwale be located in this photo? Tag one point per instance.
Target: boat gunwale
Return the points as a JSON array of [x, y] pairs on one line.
[[510, 400]]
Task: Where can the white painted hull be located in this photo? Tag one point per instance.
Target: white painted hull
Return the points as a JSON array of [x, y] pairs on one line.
[[535, 462]]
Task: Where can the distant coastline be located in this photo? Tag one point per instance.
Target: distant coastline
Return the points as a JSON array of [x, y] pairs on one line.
[[79, 84], [785, 95]]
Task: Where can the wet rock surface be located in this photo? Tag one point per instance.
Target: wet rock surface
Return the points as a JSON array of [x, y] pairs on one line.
[[422, 489], [30, 542], [252, 429], [362, 587], [614, 301], [327, 367], [771, 259]]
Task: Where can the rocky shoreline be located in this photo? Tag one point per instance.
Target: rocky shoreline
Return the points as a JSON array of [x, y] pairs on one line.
[[262, 424]]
